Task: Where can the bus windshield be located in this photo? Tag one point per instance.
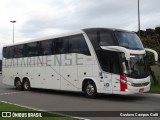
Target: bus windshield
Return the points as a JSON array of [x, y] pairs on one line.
[[129, 40], [136, 67]]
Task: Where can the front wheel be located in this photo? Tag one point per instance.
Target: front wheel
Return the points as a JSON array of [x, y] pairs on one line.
[[90, 89]]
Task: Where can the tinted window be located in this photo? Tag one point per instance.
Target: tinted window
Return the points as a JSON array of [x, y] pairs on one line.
[[31, 49], [46, 47], [10, 52], [18, 51], [61, 45], [77, 44], [105, 39], [109, 61], [101, 38], [5, 54], [129, 40]]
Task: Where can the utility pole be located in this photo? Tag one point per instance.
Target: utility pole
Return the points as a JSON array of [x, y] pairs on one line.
[[139, 24], [13, 28]]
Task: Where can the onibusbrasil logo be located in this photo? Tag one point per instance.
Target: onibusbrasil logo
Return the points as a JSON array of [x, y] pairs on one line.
[[21, 114]]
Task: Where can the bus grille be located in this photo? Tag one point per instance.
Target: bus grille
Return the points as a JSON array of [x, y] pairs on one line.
[[140, 84]]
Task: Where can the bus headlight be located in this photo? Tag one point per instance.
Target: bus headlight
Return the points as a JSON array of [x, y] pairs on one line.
[[126, 90]]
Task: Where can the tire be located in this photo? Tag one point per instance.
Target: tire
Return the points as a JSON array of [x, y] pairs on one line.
[[90, 89], [18, 84], [26, 85]]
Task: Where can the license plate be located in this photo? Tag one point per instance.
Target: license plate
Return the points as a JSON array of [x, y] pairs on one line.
[[141, 90]]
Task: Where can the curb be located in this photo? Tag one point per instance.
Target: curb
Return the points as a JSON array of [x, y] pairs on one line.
[[151, 94]]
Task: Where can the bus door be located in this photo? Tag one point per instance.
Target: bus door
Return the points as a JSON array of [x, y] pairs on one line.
[[107, 84], [109, 61], [115, 71]]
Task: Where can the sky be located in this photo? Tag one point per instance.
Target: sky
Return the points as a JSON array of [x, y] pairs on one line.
[[40, 18]]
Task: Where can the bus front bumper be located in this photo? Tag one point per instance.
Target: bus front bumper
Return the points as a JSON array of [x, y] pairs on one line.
[[133, 90]]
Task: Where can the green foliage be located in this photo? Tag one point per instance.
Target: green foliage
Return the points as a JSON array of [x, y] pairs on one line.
[[151, 39], [155, 88], [153, 42]]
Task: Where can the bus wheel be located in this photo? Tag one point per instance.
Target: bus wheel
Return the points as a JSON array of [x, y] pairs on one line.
[[18, 84], [90, 89], [26, 85]]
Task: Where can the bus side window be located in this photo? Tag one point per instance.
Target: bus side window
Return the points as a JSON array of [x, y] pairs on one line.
[[109, 61], [77, 44], [32, 49], [5, 52], [15, 52], [25, 50], [74, 44], [40, 48], [18, 51], [106, 39], [61, 45], [10, 51], [46, 47], [84, 47]]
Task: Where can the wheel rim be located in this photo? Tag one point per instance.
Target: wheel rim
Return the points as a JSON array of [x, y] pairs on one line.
[[26, 85], [18, 84], [90, 89]]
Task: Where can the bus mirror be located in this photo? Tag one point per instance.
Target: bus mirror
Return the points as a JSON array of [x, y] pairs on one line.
[[124, 68], [150, 59], [154, 52], [118, 49]]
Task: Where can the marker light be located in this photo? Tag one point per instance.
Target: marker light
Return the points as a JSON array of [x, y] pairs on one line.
[[126, 90]]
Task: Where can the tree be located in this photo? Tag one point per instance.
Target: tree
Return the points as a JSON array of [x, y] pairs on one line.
[[151, 39]]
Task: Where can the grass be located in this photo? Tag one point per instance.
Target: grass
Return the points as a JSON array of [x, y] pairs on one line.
[[155, 88], [13, 108]]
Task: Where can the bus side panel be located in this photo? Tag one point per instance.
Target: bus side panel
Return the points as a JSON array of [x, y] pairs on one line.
[[39, 77], [116, 83], [85, 70], [16, 72], [6, 76], [6, 72], [99, 84], [53, 77], [69, 79], [104, 80], [28, 72]]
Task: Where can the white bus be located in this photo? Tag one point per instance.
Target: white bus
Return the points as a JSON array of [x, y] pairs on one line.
[[95, 60]]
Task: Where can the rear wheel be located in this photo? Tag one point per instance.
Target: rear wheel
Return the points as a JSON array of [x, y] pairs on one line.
[[90, 89], [26, 85], [18, 84]]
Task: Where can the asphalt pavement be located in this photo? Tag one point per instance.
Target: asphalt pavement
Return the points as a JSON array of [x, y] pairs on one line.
[[52, 100]]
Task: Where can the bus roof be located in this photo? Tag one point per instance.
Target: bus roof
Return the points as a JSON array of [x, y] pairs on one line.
[[106, 29], [67, 34], [47, 37]]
